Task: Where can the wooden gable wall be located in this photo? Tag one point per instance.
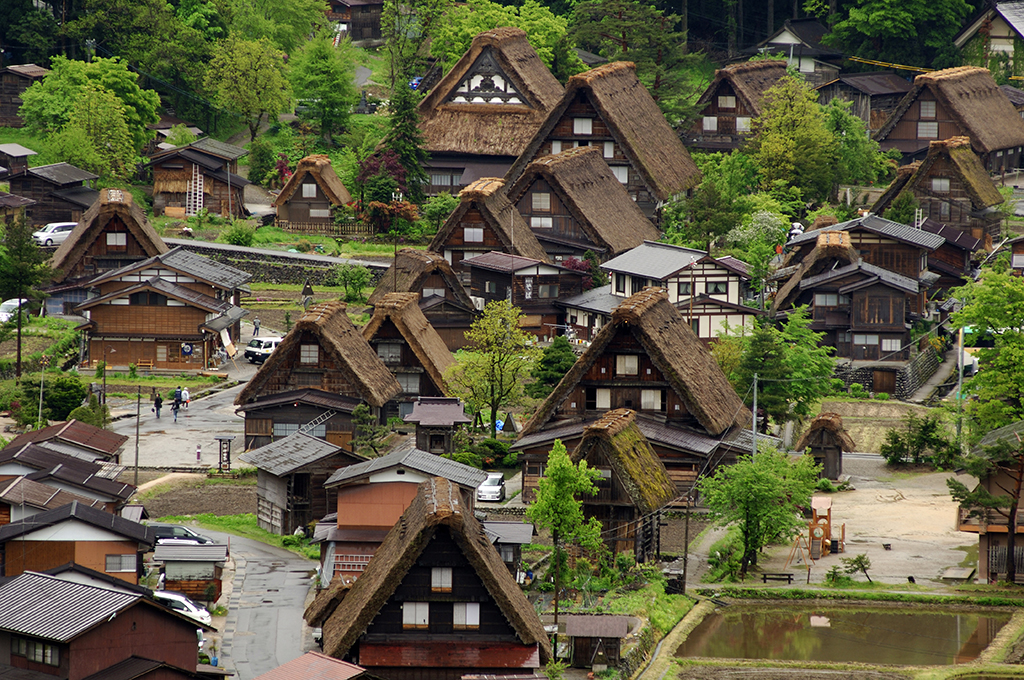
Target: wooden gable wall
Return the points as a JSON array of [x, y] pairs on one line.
[[459, 249], [408, 363], [564, 225], [48, 208], [297, 208], [325, 375], [887, 253], [953, 208]]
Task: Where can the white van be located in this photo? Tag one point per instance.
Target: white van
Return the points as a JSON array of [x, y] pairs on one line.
[[259, 349]]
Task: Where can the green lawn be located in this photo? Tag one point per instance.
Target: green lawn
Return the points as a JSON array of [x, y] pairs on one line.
[[245, 525]]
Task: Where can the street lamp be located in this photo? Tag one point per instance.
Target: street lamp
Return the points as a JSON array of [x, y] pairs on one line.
[[109, 350]]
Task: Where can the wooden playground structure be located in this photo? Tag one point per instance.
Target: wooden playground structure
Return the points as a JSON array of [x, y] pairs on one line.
[[821, 538]]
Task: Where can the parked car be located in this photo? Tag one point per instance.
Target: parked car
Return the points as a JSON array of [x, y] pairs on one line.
[[181, 602], [493, 488], [10, 307], [259, 349], [54, 233], [175, 534]]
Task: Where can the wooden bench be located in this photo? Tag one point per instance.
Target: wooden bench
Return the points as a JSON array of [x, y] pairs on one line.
[[788, 578], [144, 363]]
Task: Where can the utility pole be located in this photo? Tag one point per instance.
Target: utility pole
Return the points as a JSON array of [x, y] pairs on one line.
[[754, 429], [138, 417], [959, 392]]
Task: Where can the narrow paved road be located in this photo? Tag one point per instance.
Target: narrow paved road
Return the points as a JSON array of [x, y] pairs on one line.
[[264, 627]]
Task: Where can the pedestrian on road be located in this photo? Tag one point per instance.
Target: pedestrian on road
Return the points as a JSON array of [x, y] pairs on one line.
[[185, 397], [157, 403], [177, 395], [255, 326], [175, 407]]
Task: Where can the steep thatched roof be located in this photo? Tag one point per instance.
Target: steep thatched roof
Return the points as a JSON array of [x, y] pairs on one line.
[[615, 438], [414, 266], [112, 203], [437, 507], [320, 168], [674, 349], [903, 175], [749, 80], [971, 97], [833, 423], [325, 602], [635, 121], [485, 128], [339, 340], [975, 179], [488, 196], [599, 202], [426, 344], [831, 246]]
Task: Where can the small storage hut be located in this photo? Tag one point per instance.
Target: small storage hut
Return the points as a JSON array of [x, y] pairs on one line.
[[595, 639], [195, 570], [827, 440]]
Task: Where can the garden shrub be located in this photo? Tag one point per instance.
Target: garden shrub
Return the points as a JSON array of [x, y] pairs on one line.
[[857, 391], [239, 234], [724, 557]]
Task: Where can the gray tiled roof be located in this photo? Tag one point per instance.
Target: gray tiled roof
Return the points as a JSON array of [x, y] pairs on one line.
[[415, 459], [892, 278], [503, 262], [221, 275], [882, 226], [219, 148], [51, 464], [54, 609], [208, 552], [62, 173], [600, 300], [289, 453], [509, 532], [226, 319], [81, 513], [169, 288], [438, 411], [653, 260]]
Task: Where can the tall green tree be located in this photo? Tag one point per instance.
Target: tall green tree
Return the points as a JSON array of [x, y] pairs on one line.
[[903, 208], [285, 24], [23, 269], [408, 28], [860, 159], [492, 374], [247, 77], [700, 220], [405, 139], [100, 117], [323, 77], [761, 494], [555, 362]]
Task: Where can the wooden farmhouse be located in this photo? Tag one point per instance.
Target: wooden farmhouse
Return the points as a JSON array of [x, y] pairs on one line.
[[872, 96], [442, 297], [956, 102], [196, 570], [799, 43], [61, 192], [78, 439], [200, 175], [508, 539], [437, 419], [609, 108], [95, 481], [484, 221], [531, 285], [290, 477], [826, 440], [21, 498], [595, 639], [321, 371], [633, 487], [1017, 255], [437, 601], [574, 204], [13, 207], [482, 114], [953, 260], [359, 20], [60, 628], [76, 533], [373, 495], [14, 159], [310, 194], [710, 292], [731, 102], [646, 359], [951, 187], [410, 348], [14, 80], [991, 525]]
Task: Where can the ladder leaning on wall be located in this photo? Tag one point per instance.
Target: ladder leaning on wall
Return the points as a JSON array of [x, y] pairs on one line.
[[194, 194]]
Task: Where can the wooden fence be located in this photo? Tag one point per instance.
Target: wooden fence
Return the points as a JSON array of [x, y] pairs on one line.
[[354, 228]]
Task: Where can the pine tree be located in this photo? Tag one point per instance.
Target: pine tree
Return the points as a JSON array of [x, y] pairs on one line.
[[556, 361], [405, 140]]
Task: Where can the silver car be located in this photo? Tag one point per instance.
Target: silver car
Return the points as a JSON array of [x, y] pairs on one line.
[[54, 233]]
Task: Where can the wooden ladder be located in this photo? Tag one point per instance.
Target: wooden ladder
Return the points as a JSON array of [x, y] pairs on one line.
[[194, 195]]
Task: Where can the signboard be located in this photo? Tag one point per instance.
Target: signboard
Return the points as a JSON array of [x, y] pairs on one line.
[[229, 346]]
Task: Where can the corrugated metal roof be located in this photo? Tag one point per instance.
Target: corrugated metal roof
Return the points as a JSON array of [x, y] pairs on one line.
[[62, 173], [219, 148], [75, 433], [22, 490], [289, 453], [30, 70], [76, 471], [80, 512], [879, 83], [79, 195], [314, 666], [415, 459], [509, 532], [600, 300], [892, 278], [503, 262], [54, 609], [881, 226], [653, 260], [208, 552], [13, 201], [16, 150], [130, 669]]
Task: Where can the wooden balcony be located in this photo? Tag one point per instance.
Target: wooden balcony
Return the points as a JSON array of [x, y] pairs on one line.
[[979, 521]]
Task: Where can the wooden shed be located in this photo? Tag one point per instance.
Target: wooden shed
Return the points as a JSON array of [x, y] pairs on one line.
[[595, 639], [195, 570], [827, 439], [437, 419]]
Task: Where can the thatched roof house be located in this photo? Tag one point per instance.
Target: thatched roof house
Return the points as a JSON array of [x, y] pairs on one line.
[[953, 102], [370, 627], [362, 374], [587, 199], [656, 165], [415, 268], [830, 247], [746, 83], [826, 439], [317, 168], [482, 114], [831, 423]]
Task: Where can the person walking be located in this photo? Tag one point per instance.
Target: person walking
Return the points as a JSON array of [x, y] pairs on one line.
[[177, 395], [175, 407], [157, 403], [185, 397], [255, 326]]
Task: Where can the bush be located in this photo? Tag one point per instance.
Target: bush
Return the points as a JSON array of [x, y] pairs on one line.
[[825, 485], [882, 396], [857, 391], [920, 440], [466, 458], [304, 246], [724, 557], [510, 460], [353, 278], [239, 234]]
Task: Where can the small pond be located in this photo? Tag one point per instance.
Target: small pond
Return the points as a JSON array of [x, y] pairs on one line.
[[844, 634]]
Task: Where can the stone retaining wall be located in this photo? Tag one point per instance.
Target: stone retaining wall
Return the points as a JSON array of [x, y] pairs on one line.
[[909, 376], [269, 267]]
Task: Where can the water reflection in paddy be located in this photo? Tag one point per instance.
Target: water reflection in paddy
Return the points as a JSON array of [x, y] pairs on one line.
[[851, 634]]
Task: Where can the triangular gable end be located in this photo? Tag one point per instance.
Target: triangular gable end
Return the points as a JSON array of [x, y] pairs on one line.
[[487, 83]]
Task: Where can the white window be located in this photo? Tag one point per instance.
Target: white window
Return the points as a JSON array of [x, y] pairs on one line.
[[891, 344], [650, 400], [441, 179], [507, 553], [621, 173], [466, 615], [583, 126], [161, 353], [441, 579], [927, 130], [309, 190], [541, 200], [859, 339], [117, 239], [415, 615], [726, 102], [609, 149], [604, 399], [627, 364], [410, 382], [309, 354], [427, 292], [556, 147], [927, 109], [490, 286], [826, 299], [940, 185], [710, 124], [389, 352], [743, 124], [323, 213], [120, 563], [718, 288], [541, 222], [473, 234], [528, 287]]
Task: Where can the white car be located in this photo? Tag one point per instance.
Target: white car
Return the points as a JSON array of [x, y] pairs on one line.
[[181, 603], [54, 233], [10, 307], [493, 488], [259, 349]]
